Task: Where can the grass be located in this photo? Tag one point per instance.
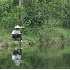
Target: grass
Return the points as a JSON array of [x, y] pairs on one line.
[[31, 51]]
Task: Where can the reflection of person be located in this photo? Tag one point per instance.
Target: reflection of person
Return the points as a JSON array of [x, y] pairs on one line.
[[16, 33], [16, 56]]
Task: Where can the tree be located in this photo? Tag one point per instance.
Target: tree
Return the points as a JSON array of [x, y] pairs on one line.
[[21, 12]]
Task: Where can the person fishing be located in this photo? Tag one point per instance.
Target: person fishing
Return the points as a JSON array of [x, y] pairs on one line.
[[16, 56], [16, 33]]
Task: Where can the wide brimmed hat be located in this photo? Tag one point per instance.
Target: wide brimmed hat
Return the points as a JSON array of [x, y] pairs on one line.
[[17, 26]]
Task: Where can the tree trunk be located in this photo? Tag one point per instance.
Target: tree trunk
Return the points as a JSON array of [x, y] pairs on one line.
[[21, 12]]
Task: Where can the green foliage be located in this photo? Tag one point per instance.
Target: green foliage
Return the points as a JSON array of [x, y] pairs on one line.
[[15, 2], [35, 13], [46, 44], [66, 21]]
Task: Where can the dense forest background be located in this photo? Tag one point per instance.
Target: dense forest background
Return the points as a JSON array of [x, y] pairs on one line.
[[46, 33]]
